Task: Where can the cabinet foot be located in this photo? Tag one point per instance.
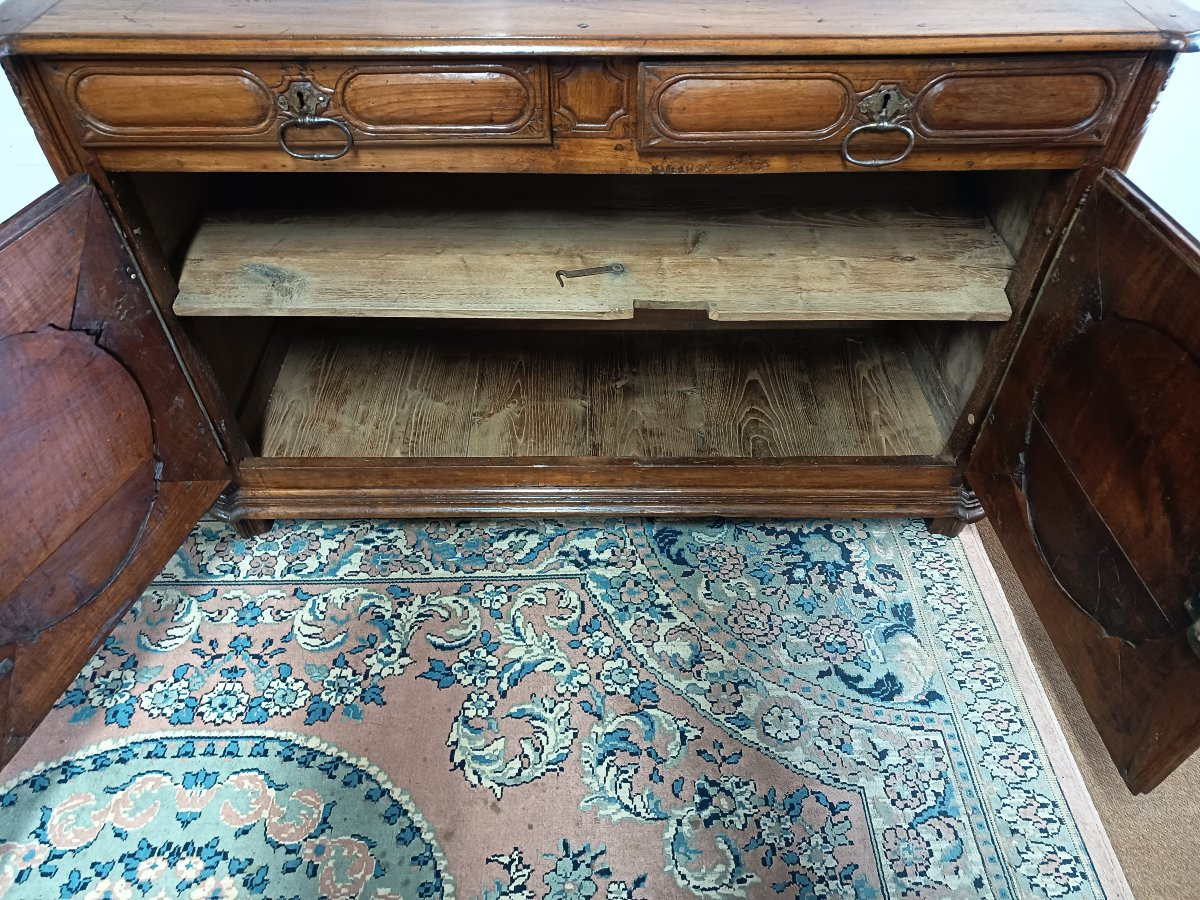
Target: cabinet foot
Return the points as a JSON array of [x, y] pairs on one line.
[[969, 510], [225, 509], [249, 528], [950, 526]]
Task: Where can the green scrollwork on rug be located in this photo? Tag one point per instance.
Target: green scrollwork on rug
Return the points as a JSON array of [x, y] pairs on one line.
[[216, 817]]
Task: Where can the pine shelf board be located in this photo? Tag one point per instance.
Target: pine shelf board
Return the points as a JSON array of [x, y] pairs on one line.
[[785, 262], [617, 395]]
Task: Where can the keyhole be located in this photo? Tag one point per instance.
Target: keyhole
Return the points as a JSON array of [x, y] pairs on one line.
[[887, 101], [302, 100]]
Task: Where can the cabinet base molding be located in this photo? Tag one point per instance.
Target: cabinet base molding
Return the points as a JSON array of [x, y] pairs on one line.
[[245, 527], [270, 489]]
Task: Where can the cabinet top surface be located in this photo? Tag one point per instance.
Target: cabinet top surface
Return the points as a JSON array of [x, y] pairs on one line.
[[719, 27]]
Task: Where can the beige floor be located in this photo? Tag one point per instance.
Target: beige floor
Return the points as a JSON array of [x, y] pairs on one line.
[[1157, 835]]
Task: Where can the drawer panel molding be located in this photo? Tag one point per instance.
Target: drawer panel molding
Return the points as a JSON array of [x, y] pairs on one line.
[[425, 101], [131, 105], [754, 103], [813, 105], [992, 105], [592, 96], [134, 102]]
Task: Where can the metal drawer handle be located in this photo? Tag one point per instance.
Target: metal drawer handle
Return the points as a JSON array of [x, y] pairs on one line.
[[302, 105], [315, 122], [886, 108], [878, 126]]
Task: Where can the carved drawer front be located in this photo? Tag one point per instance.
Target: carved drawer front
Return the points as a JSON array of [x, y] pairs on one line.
[[448, 101], [850, 105], [321, 109], [753, 104], [137, 104]]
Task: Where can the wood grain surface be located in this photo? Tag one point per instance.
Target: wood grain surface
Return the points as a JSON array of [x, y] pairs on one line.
[[214, 103], [454, 394], [1087, 468], [587, 155], [1063, 99], [76, 432], [791, 260], [98, 428], [755, 27], [45, 666], [585, 486]]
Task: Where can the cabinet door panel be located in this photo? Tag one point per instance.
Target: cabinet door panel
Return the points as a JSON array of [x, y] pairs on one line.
[[108, 458], [1088, 464]]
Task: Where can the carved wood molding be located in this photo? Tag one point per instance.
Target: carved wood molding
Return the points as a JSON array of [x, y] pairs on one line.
[[130, 103], [463, 94], [275, 489], [969, 508], [736, 104], [592, 96], [1093, 88], [1065, 101], [147, 104]]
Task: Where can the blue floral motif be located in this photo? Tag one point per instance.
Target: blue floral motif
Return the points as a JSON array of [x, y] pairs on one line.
[[573, 874], [770, 703]]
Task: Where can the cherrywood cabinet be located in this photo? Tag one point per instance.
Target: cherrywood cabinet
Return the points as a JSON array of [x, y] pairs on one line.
[[508, 258]]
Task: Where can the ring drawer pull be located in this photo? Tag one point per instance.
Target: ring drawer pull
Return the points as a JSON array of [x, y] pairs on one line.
[[886, 108], [315, 122], [878, 126], [302, 105]]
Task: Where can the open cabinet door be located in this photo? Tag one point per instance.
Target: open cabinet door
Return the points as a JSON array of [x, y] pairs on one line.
[[106, 458], [1089, 467]]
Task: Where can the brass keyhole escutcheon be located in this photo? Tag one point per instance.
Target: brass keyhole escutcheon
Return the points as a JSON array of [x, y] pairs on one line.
[[303, 98]]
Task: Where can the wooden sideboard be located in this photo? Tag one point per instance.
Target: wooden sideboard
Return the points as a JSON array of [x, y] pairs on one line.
[[476, 258]]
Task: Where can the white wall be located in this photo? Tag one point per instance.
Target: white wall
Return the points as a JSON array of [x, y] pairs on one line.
[[1167, 166], [24, 172]]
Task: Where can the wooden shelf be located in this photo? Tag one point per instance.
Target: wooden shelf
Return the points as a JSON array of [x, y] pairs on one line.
[[770, 258], [496, 394]]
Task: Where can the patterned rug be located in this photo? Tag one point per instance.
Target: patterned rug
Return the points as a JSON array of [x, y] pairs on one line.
[[548, 710]]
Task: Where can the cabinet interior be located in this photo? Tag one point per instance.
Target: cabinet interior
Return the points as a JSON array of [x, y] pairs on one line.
[[419, 315]]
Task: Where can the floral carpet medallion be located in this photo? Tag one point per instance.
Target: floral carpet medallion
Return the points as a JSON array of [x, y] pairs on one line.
[[547, 710]]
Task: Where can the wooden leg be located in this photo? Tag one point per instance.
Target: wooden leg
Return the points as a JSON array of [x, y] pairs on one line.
[[249, 528], [225, 510], [969, 510], [950, 526]]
